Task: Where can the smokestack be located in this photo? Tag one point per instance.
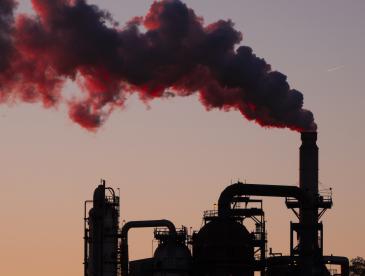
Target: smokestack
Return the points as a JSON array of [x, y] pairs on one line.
[[309, 163], [309, 248]]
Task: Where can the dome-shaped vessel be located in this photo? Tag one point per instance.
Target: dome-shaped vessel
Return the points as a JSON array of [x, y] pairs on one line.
[[172, 259], [223, 247]]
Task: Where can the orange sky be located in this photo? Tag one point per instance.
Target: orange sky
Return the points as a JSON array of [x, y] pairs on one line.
[[172, 160]]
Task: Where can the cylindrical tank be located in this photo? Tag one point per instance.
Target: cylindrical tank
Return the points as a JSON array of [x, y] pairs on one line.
[[223, 247], [172, 259], [103, 225]]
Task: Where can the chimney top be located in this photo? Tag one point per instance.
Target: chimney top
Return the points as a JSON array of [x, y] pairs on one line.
[[309, 136]]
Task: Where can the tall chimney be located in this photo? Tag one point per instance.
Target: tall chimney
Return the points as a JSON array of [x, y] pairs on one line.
[[309, 163], [308, 236]]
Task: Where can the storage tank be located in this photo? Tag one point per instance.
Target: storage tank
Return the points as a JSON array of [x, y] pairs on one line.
[[223, 247], [172, 258]]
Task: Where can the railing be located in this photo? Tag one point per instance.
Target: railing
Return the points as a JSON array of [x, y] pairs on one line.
[[161, 233], [325, 196], [210, 213], [291, 200]]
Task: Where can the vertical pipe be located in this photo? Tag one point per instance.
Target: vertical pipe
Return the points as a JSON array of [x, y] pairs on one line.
[[308, 214], [125, 255], [291, 239], [86, 242], [86, 246], [86, 249]]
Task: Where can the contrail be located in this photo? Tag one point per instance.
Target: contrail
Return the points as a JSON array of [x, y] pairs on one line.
[[335, 68]]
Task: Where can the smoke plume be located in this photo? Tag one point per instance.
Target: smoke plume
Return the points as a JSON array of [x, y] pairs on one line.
[[168, 52]]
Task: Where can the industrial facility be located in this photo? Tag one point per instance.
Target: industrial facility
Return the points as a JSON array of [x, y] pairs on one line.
[[225, 245]]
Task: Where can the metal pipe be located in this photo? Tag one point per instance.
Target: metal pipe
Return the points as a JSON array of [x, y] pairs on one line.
[[140, 224], [239, 189]]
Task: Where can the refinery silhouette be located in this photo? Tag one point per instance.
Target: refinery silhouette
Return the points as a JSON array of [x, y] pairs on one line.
[[223, 246], [170, 52]]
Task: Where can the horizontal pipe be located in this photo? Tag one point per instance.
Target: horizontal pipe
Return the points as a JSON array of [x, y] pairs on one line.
[[148, 223], [239, 189]]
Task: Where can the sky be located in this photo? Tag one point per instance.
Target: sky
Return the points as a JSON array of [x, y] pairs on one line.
[[172, 159]]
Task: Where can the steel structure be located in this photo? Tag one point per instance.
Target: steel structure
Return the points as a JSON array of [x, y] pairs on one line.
[[223, 246]]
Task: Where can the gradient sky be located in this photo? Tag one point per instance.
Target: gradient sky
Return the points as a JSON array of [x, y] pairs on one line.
[[173, 159]]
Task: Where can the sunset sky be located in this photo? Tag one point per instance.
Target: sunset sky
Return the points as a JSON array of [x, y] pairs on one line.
[[172, 159]]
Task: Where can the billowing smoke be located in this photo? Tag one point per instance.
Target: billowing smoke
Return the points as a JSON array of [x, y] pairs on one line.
[[168, 52]]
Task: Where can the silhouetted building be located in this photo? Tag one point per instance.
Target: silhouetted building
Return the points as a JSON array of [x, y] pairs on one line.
[[223, 246]]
